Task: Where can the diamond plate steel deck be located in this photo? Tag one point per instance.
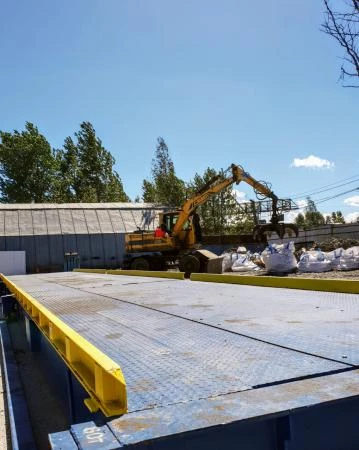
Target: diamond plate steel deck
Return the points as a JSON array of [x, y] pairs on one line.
[[181, 341]]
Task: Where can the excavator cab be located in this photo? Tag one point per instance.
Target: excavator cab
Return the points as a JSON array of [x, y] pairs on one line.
[[186, 236]]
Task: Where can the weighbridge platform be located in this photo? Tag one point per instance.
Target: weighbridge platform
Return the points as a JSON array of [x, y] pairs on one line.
[[173, 363]]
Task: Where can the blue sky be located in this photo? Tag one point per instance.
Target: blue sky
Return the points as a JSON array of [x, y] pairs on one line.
[[253, 83]]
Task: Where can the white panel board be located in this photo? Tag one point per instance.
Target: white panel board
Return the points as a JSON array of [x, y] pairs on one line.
[[13, 263]]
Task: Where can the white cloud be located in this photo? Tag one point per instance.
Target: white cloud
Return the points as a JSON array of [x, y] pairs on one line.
[[352, 201], [312, 162], [301, 203], [240, 196], [291, 215], [351, 217]]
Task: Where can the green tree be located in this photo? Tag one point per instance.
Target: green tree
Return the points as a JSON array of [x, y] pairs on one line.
[[221, 213], [86, 170], [27, 166], [300, 220], [312, 217], [149, 192], [164, 187], [68, 172], [337, 217]]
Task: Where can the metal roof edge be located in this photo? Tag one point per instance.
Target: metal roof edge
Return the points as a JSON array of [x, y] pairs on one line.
[[114, 205]]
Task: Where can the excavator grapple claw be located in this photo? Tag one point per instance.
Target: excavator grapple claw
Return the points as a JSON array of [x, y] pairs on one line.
[[280, 229]]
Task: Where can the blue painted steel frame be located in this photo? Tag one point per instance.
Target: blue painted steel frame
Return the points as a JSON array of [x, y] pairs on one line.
[[20, 426]]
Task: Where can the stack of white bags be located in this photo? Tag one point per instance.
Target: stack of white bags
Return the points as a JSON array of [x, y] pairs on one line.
[[280, 258]]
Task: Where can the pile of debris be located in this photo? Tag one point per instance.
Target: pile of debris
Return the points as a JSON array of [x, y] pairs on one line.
[[333, 243], [332, 255]]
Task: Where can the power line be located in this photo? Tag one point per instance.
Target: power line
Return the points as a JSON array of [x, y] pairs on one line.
[[332, 188], [322, 188], [322, 200]]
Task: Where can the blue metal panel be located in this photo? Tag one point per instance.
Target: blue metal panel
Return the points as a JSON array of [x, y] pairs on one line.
[[84, 250], [109, 246], [7, 304], [12, 243], [27, 243], [62, 441], [65, 386], [42, 253], [33, 336], [120, 247], [56, 250], [97, 251], [20, 428], [90, 436], [330, 426], [69, 242]]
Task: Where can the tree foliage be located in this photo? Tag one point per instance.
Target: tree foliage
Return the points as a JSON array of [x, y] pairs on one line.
[[27, 166], [221, 213], [164, 187], [86, 170], [82, 171], [337, 217], [312, 217], [343, 25]]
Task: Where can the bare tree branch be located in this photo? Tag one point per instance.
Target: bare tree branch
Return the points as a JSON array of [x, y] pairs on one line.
[[343, 26]]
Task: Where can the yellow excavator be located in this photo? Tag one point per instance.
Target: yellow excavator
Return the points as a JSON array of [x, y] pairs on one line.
[[144, 251]]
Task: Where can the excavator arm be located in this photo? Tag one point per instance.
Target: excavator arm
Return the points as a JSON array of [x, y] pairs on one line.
[[217, 184]]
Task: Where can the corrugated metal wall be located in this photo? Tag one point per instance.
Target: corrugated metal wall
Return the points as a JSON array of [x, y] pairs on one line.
[[95, 232]]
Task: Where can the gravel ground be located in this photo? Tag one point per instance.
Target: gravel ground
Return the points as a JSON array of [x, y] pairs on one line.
[[336, 274], [333, 274]]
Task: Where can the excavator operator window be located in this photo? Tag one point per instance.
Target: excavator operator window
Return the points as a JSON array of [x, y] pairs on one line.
[[170, 220]]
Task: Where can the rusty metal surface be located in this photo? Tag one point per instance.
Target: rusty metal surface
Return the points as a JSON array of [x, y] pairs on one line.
[[180, 341], [202, 414]]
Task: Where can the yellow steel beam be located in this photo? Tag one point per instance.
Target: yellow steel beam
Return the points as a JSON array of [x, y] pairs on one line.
[[99, 375], [90, 270], [311, 284], [148, 273], [136, 273]]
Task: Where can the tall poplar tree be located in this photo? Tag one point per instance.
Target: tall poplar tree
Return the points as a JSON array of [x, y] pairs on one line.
[[27, 166], [164, 187], [86, 169]]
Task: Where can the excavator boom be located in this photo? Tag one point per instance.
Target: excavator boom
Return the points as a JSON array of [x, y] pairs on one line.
[[217, 184]]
